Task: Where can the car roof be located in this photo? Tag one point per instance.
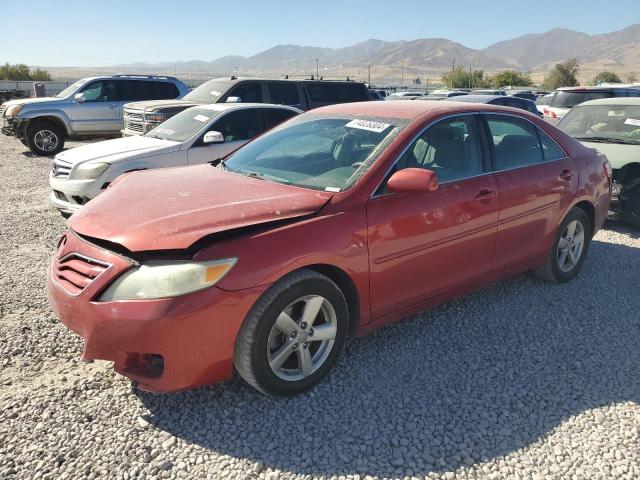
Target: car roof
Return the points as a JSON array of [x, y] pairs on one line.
[[223, 107], [405, 109], [634, 101], [478, 98], [591, 88], [263, 79]]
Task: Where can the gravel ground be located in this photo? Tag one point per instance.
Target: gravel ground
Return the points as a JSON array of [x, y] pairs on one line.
[[522, 380]]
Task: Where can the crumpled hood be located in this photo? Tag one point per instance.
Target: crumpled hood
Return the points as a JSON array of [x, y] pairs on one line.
[[617, 154], [119, 149], [172, 208], [152, 105]]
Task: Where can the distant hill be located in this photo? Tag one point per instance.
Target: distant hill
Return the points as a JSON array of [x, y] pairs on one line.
[[427, 58]]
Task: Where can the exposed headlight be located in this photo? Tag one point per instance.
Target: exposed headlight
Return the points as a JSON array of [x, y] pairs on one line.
[[88, 171], [163, 279], [13, 110], [153, 117]]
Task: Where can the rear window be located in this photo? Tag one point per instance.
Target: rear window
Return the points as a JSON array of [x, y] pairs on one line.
[[337, 92], [145, 90], [569, 99]]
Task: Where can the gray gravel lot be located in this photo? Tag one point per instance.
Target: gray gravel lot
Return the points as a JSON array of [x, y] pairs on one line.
[[522, 380]]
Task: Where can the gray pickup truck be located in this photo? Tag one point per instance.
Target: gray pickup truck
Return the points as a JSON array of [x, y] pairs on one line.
[[140, 117], [90, 107]]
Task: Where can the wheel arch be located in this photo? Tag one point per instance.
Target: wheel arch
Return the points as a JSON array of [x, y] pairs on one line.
[[57, 121], [346, 285], [590, 210]]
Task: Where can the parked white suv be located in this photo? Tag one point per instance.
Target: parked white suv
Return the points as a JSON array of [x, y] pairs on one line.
[[194, 136], [90, 107]]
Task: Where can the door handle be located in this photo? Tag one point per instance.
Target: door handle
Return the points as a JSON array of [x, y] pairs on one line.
[[112, 106], [486, 194], [566, 174]]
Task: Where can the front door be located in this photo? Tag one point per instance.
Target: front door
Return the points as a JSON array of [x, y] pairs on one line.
[[101, 112], [237, 127], [537, 182], [425, 244]]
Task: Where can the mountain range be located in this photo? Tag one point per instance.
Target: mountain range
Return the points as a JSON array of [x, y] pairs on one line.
[[427, 58]]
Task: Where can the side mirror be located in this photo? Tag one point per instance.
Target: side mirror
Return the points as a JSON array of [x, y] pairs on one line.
[[80, 98], [413, 180], [212, 137], [233, 100]]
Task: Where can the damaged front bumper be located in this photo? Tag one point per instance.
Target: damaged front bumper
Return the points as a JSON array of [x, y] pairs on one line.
[[13, 127], [625, 202]]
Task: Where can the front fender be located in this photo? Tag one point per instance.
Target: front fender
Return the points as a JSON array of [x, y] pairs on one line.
[[57, 114]]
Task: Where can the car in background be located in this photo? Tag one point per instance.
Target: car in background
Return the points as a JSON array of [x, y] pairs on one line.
[[408, 95], [543, 102], [340, 221], [442, 94], [194, 136], [487, 91], [91, 107], [376, 95], [140, 117], [526, 95], [381, 93], [504, 101], [612, 126], [564, 99]]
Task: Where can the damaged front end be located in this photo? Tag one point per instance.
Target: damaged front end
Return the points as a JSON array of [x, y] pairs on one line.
[[625, 195]]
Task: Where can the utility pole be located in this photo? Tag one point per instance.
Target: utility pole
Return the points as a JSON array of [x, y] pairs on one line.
[[237, 69], [401, 74], [369, 74], [470, 81], [317, 69]]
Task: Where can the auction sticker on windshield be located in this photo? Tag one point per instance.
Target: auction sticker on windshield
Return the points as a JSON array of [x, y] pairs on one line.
[[632, 121], [369, 125], [201, 118]]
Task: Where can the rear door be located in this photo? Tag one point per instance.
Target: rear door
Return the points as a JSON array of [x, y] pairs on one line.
[[537, 182], [237, 127], [425, 244], [286, 93]]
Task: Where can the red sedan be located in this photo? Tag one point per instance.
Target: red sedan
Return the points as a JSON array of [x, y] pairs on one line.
[[337, 222]]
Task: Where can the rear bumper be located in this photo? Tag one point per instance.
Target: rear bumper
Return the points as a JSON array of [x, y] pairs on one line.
[[194, 334]]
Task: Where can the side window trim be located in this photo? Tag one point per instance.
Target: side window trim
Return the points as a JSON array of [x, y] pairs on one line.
[[539, 132], [479, 124]]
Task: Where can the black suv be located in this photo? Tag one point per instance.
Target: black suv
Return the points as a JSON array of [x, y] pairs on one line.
[[140, 117]]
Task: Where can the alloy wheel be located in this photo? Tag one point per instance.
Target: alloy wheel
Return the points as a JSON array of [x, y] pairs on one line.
[[46, 140], [302, 338], [570, 246]]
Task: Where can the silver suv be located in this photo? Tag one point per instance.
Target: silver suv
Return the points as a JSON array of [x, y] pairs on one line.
[[88, 108]]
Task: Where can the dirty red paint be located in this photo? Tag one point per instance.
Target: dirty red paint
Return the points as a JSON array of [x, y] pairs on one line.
[[403, 252]]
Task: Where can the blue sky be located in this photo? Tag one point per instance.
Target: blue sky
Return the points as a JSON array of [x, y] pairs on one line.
[[90, 33]]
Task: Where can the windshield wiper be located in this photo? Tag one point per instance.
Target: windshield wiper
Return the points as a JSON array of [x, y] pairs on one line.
[[596, 139]]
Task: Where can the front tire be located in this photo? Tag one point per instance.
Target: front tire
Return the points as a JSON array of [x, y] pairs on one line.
[[44, 138], [569, 249], [293, 335]]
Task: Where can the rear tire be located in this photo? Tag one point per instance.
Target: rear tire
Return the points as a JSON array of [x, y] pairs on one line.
[[569, 249], [293, 335], [44, 138]]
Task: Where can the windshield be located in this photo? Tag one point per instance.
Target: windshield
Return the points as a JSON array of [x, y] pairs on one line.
[[319, 153], [72, 88], [569, 99], [614, 122], [184, 125], [208, 92]]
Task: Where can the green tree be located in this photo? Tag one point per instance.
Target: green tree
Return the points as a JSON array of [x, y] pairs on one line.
[[22, 72], [40, 75], [459, 78], [606, 77], [511, 78], [563, 75]]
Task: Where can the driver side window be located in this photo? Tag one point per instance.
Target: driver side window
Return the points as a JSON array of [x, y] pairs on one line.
[[451, 148], [100, 91]]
